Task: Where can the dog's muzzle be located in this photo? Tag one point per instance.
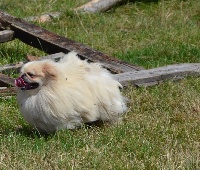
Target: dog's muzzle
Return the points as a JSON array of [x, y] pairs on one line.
[[25, 85]]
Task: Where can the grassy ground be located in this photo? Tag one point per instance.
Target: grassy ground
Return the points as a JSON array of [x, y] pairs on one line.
[[161, 129]]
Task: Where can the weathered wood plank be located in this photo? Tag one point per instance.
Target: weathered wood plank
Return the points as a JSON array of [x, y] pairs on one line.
[[8, 92], [15, 68], [52, 43], [11, 68], [6, 81], [6, 35], [97, 5], [55, 57], [157, 75], [138, 78]]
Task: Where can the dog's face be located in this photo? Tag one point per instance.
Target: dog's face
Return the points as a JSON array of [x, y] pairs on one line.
[[35, 74]]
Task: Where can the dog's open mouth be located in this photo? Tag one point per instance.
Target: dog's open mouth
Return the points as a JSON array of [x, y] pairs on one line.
[[20, 82]]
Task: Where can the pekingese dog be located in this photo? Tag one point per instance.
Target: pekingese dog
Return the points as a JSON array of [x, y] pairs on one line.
[[66, 94]]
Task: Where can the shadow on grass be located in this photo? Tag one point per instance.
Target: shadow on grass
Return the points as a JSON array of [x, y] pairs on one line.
[[138, 1], [143, 1], [33, 133], [26, 131], [112, 9]]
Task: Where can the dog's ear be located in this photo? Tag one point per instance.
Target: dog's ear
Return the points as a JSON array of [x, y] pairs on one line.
[[49, 70]]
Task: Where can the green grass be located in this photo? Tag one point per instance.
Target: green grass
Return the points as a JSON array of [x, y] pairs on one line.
[[161, 129]]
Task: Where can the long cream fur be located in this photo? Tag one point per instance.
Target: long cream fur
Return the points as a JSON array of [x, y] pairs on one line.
[[71, 92]]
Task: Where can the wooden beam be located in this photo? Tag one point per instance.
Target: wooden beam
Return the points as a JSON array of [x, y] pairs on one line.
[[11, 68], [97, 6], [15, 68], [138, 78], [7, 86], [52, 43], [6, 35], [157, 75], [6, 81], [8, 92], [54, 57]]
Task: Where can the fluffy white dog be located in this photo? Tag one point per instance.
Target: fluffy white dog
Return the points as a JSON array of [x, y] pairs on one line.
[[66, 94]]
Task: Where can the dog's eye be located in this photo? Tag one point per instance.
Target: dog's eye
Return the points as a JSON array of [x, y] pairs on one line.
[[31, 74]]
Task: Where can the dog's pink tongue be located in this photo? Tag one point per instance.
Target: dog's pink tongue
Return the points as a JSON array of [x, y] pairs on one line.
[[19, 82]]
